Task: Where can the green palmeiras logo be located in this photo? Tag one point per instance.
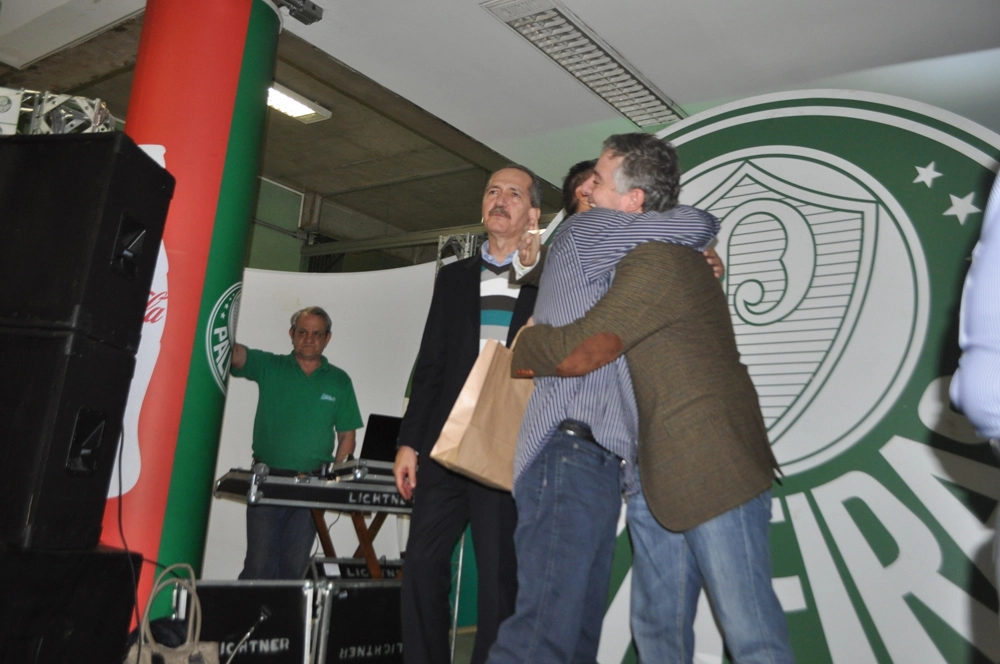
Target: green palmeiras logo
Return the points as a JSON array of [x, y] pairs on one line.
[[220, 333], [847, 223]]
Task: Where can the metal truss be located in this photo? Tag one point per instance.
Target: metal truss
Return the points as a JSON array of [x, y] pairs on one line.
[[458, 246], [30, 112]]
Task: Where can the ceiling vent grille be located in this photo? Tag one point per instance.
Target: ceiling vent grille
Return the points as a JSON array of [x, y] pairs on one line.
[[559, 34]]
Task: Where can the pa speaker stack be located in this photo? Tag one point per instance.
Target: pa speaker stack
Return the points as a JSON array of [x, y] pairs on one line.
[[81, 219]]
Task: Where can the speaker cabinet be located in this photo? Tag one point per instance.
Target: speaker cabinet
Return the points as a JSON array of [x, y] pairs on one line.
[[325, 621], [62, 397], [72, 606], [81, 218], [282, 613], [363, 623]]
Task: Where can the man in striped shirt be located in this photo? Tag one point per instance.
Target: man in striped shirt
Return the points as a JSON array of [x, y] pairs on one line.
[[577, 446], [473, 301], [702, 512]]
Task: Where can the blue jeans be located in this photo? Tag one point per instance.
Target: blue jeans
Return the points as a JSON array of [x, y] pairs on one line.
[[279, 541], [568, 503], [731, 556]]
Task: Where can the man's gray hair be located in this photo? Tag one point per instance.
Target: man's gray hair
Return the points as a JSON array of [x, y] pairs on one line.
[[534, 192], [650, 164], [313, 311]]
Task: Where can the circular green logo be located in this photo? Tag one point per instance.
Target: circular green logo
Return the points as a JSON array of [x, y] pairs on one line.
[[800, 231]]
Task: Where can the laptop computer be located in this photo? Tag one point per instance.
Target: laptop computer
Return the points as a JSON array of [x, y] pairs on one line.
[[381, 435]]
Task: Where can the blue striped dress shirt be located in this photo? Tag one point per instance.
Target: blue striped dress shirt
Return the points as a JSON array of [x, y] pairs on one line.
[[975, 388], [578, 272]]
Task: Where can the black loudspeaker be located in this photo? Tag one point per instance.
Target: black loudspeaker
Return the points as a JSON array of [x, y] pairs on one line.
[[282, 614], [81, 218], [363, 624], [326, 621], [72, 606], [62, 397]]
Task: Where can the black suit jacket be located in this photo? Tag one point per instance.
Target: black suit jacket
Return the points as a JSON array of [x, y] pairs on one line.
[[448, 350]]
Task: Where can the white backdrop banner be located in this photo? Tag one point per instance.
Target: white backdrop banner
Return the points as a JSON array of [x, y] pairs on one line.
[[378, 318]]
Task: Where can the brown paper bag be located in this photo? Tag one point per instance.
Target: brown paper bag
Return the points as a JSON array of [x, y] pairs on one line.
[[479, 438]]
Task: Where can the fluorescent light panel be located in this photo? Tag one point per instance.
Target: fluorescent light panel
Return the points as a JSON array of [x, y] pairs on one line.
[[295, 105], [559, 34]]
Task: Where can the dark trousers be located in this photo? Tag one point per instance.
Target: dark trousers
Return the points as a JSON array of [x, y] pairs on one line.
[[443, 504], [279, 541]]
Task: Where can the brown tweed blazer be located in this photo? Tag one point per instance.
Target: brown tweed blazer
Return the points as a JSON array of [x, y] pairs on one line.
[[703, 447]]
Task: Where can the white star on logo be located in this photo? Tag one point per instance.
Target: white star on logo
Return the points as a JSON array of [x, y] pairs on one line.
[[961, 207], [927, 174]]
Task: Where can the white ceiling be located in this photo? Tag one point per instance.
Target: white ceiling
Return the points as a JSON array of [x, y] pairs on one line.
[[458, 62], [32, 29]]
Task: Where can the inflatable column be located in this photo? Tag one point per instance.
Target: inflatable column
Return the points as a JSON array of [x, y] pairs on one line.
[[198, 104]]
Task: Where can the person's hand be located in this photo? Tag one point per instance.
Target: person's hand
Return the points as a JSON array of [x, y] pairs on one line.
[[405, 471], [712, 256], [239, 356], [529, 245]]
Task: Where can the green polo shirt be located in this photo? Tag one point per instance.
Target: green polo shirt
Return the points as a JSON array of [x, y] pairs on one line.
[[297, 414]]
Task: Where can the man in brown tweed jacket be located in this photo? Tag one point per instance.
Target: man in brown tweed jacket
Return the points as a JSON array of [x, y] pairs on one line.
[[702, 516]]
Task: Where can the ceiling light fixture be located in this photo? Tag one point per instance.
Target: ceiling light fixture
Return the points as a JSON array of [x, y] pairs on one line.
[[295, 105], [562, 36]]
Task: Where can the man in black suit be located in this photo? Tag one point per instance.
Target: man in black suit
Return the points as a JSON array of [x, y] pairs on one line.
[[473, 301]]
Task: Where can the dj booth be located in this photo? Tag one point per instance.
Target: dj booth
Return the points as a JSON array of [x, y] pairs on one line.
[[346, 609], [355, 487], [311, 621], [348, 488]]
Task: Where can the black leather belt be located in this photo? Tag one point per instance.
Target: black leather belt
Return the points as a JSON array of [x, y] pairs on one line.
[[577, 429]]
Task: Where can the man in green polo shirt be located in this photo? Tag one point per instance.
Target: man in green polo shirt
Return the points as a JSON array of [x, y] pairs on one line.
[[303, 400]]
